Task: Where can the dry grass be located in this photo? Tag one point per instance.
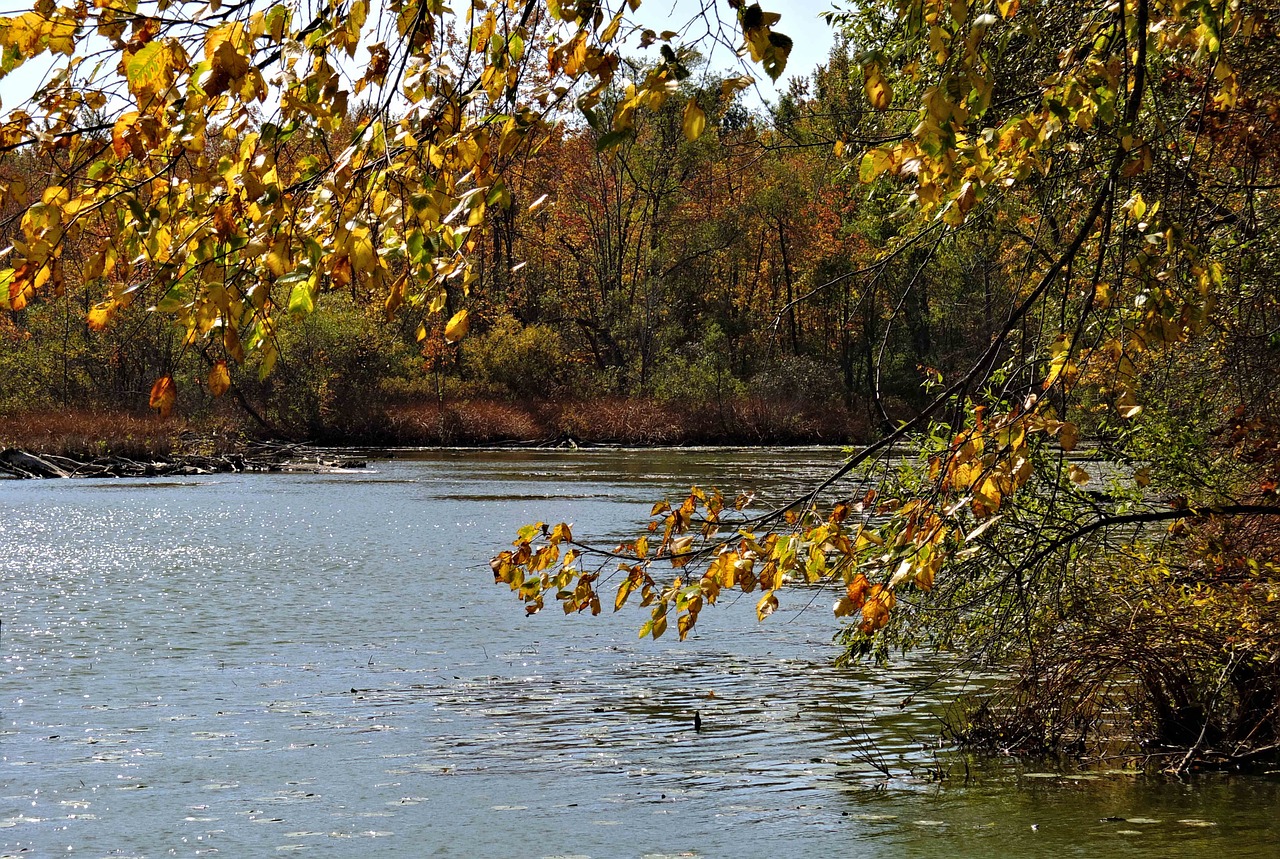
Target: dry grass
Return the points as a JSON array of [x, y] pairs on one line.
[[619, 421], [471, 422], [86, 434], [81, 434]]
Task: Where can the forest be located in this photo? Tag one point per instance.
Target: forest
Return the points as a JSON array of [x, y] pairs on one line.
[[724, 289], [1021, 255]]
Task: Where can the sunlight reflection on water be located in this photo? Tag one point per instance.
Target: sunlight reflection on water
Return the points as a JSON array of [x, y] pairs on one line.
[[284, 663]]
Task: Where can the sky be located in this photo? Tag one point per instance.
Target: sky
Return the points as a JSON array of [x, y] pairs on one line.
[[811, 36]]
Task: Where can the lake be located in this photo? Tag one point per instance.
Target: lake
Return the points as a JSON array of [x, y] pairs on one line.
[[248, 665]]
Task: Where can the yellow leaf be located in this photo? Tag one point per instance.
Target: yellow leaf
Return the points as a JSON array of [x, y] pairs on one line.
[[55, 195], [61, 33], [100, 315], [768, 605], [1078, 475], [457, 327], [224, 48], [219, 379], [612, 30], [875, 162], [150, 71], [23, 33], [988, 495], [681, 550], [6, 282], [278, 259], [659, 626], [163, 395], [396, 296], [879, 93], [695, 120], [362, 253], [731, 85], [978, 532]]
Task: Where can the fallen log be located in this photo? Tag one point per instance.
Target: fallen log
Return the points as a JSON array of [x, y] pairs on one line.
[[25, 464], [262, 458]]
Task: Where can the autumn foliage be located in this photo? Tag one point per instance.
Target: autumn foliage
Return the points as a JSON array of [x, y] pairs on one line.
[[1034, 244]]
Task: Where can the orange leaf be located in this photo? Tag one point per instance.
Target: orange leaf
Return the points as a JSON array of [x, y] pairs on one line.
[[163, 395], [219, 379], [856, 592]]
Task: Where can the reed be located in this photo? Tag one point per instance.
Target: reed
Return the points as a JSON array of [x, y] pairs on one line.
[[90, 433], [619, 420]]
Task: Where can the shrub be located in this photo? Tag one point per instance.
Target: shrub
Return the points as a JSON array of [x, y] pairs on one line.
[[520, 360]]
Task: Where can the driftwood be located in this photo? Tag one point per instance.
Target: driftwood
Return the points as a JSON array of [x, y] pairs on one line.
[[257, 457]]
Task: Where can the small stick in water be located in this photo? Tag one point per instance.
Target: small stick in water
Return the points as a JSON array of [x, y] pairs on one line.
[[697, 721]]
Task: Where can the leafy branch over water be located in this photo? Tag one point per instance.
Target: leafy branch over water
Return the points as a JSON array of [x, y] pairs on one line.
[[1121, 152]]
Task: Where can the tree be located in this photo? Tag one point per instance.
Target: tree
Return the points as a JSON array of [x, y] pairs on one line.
[[1103, 173], [226, 164], [1108, 169]]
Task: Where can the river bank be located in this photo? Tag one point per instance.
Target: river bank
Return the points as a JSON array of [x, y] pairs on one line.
[[84, 434]]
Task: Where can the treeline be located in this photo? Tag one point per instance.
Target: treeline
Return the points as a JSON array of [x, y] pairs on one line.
[[667, 291]]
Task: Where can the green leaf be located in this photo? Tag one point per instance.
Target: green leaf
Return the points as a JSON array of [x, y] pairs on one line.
[[150, 70], [613, 139], [172, 301], [875, 162], [301, 301], [515, 47], [775, 56]]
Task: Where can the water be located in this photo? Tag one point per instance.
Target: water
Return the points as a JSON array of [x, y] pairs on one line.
[[250, 665]]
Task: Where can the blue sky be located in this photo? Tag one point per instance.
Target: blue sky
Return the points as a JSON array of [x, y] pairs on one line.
[[812, 37]]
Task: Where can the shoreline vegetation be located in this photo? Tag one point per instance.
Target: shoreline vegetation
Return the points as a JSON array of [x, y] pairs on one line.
[[119, 443]]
